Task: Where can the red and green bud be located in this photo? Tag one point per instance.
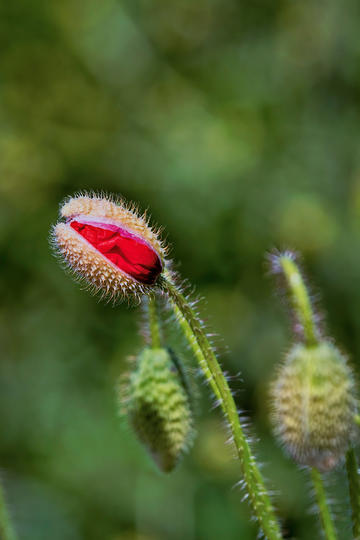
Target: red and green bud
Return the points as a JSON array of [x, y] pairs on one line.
[[109, 246]]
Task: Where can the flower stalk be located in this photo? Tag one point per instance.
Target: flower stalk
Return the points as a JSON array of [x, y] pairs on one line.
[[192, 328], [325, 516], [154, 323], [300, 299]]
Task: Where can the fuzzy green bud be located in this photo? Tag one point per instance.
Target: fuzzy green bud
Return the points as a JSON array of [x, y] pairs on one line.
[[159, 406], [314, 405]]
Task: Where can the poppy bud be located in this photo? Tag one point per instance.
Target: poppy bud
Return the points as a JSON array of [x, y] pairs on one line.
[[314, 405], [109, 246], [158, 405]]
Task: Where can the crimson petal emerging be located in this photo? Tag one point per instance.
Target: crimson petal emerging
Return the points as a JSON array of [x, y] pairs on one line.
[[128, 252], [107, 244]]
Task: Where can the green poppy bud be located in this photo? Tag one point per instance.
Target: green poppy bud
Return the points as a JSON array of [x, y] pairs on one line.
[[314, 405], [159, 407]]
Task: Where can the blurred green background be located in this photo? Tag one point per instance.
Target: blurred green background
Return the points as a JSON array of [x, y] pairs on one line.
[[238, 125]]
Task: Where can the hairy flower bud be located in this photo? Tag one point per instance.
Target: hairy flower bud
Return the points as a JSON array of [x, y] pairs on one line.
[[314, 405], [158, 404], [109, 246]]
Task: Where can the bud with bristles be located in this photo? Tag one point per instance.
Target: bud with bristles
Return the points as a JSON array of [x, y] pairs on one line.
[[314, 405], [159, 407], [108, 245], [314, 395]]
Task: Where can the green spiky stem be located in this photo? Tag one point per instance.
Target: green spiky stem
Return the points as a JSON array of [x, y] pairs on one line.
[[154, 323], [325, 515], [6, 529], [191, 326], [354, 491], [300, 299]]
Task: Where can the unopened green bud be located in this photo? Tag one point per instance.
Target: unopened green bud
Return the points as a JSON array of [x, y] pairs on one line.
[[159, 406], [314, 405]]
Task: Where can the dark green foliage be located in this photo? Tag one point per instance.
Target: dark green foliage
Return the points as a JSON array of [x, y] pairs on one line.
[[238, 124]]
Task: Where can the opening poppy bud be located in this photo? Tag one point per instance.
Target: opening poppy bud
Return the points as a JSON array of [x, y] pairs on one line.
[[159, 406], [314, 405], [109, 245]]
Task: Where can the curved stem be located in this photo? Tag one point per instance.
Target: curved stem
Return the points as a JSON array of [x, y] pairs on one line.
[[154, 323], [354, 490], [325, 515], [300, 298], [6, 530], [195, 335]]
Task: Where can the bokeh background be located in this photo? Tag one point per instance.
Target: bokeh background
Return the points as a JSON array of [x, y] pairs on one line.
[[238, 125]]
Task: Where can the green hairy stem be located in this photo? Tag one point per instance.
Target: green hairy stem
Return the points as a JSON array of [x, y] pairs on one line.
[[300, 299], [191, 326], [325, 516], [154, 323]]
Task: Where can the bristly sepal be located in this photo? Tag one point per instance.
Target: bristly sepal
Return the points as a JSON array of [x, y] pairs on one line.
[[314, 403], [159, 406]]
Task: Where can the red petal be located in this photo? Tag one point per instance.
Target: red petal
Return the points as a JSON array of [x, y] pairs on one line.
[[128, 252]]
